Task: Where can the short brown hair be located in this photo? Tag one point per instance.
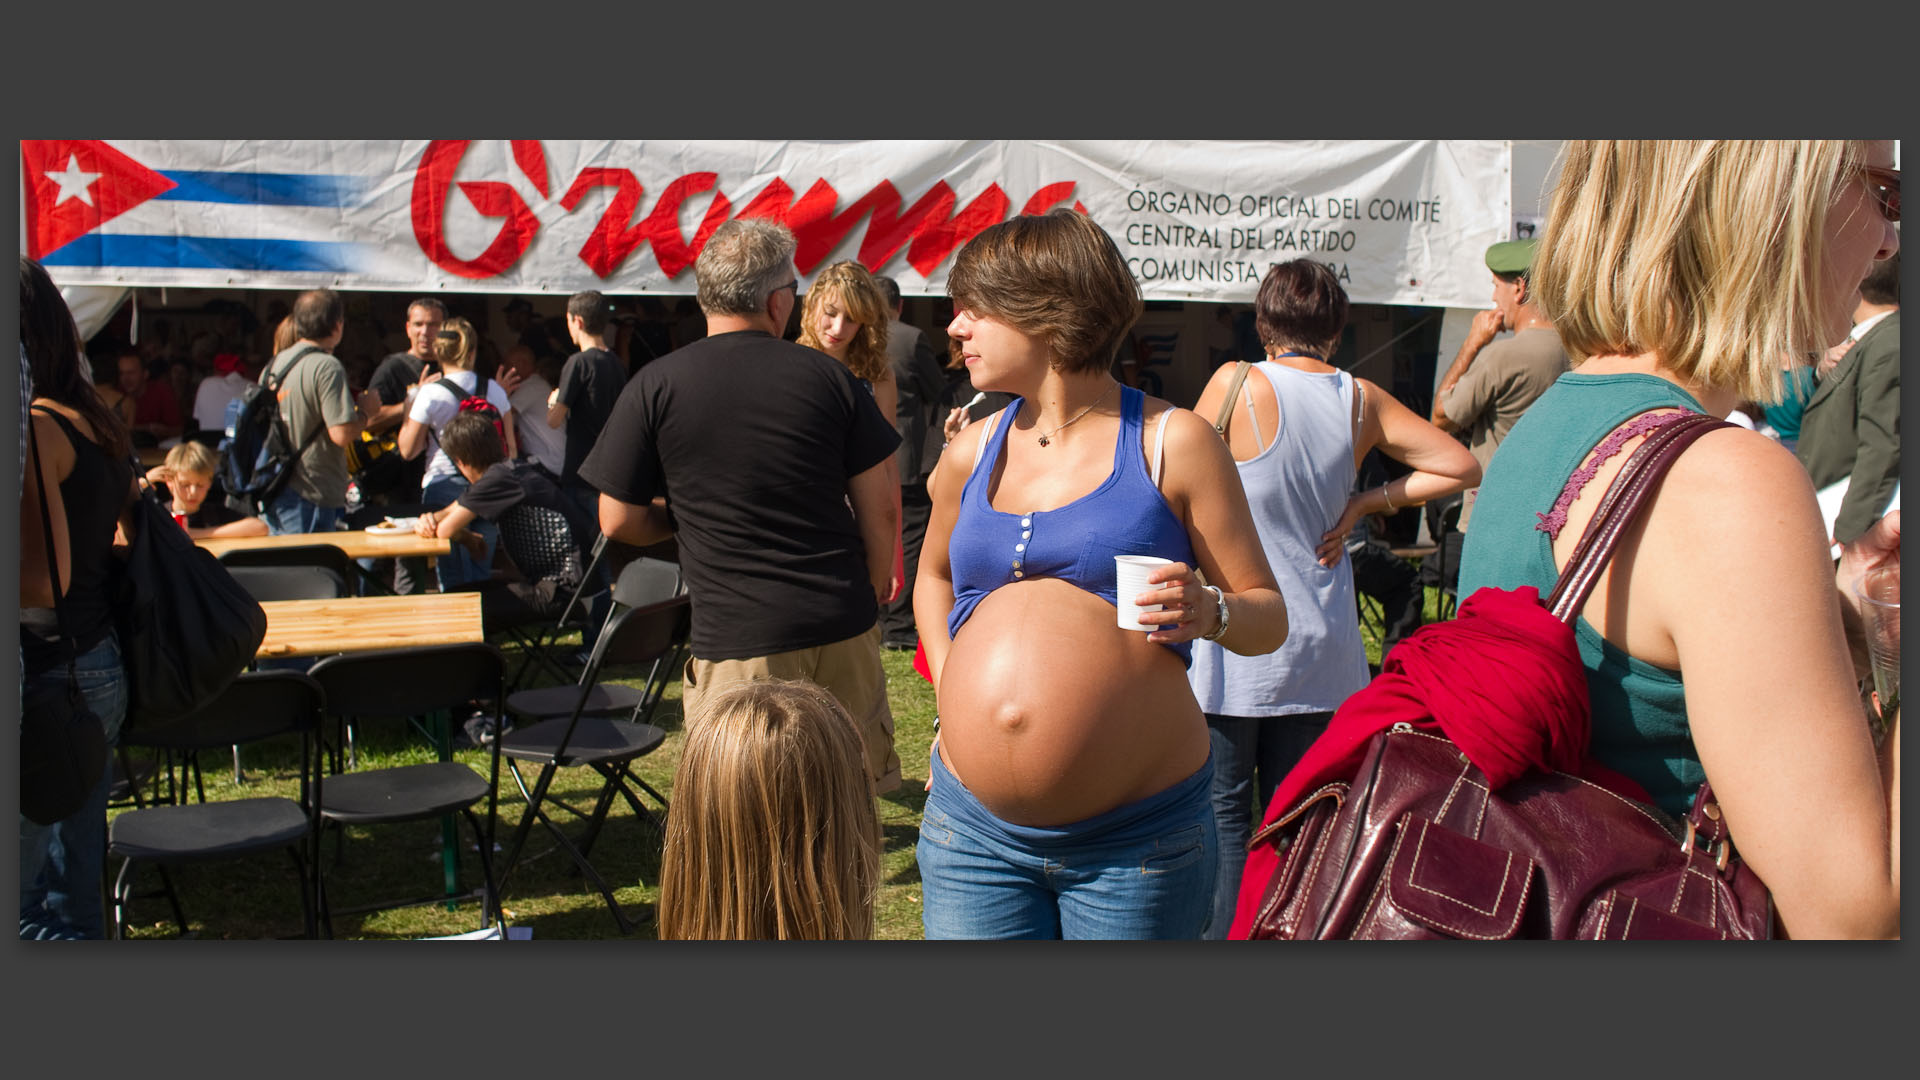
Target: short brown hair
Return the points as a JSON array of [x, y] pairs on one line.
[[1301, 307], [1057, 276], [591, 308], [317, 312], [471, 439], [1882, 284]]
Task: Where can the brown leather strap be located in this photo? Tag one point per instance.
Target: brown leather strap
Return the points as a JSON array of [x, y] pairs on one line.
[[1240, 370], [1621, 506]]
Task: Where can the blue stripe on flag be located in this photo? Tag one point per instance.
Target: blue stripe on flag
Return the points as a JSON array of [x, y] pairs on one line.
[[205, 253], [263, 189]]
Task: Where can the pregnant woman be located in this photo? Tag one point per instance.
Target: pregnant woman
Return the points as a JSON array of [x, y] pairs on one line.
[[1071, 770]]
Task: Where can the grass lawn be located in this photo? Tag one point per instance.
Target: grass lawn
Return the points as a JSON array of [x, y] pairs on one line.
[[256, 898]]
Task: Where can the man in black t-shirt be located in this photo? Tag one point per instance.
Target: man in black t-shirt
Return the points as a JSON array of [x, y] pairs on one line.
[[401, 370], [590, 383], [389, 388], [781, 501]]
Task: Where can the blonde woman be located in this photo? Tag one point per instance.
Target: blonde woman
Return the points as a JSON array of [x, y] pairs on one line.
[[431, 402], [846, 317], [1717, 643], [773, 833]]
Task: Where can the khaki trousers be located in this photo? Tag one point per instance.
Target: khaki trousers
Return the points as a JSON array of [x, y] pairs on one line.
[[849, 670]]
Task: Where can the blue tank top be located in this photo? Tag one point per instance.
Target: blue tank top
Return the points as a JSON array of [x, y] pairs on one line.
[[1076, 543]]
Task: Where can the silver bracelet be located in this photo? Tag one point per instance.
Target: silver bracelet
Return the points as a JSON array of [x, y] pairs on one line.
[[1219, 598]]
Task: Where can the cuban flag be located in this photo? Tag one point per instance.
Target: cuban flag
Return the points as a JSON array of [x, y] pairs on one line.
[[91, 205]]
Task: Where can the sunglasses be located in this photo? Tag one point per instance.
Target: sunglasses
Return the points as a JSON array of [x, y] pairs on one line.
[[1884, 184], [795, 285]]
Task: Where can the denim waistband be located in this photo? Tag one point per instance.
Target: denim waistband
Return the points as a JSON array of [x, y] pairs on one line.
[[1138, 820]]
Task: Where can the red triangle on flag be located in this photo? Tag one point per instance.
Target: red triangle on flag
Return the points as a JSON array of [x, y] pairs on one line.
[[73, 185]]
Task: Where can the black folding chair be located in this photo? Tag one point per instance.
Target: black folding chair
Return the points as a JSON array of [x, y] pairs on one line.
[[326, 556], [256, 706], [1447, 575], [415, 682], [653, 630], [542, 545], [643, 581], [280, 581], [290, 582]]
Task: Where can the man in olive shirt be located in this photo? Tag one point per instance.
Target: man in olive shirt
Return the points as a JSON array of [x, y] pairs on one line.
[[1491, 383], [320, 413]]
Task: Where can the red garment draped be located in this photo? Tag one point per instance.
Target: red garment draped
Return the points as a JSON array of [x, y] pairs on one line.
[[1503, 679]]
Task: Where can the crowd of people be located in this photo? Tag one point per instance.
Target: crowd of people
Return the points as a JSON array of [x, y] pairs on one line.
[[841, 491]]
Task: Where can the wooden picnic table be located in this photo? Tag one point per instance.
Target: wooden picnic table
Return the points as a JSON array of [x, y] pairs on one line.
[[358, 543], [365, 623]]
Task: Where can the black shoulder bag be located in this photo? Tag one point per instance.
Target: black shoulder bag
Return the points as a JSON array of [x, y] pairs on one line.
[[63, 744], [187, 628]]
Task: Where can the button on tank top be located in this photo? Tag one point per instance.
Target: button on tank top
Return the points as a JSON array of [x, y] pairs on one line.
[[1125, 515]]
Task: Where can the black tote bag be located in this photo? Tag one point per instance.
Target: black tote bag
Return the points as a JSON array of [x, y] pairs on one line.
[[187, 628]]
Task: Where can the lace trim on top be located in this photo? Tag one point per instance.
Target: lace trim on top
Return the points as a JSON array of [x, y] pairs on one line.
[[1555, 519]]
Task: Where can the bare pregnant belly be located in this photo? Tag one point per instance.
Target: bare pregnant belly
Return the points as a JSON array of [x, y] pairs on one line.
[[1051, 714]]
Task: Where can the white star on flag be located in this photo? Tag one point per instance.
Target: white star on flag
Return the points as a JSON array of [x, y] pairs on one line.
[[74, 183]]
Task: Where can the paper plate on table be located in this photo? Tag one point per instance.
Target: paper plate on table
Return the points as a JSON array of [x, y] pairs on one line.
[[393, 527]]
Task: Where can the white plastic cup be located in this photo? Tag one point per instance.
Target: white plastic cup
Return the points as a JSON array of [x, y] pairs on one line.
[[1130, 580]]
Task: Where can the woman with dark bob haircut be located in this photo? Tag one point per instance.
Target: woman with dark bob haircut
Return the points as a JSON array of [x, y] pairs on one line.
[[1071, 771], [1678, 274], [1298, 428]]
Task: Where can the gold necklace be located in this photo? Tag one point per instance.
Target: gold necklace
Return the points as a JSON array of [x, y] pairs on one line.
[[1048, 437]]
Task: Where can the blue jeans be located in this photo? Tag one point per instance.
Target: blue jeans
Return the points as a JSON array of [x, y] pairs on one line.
[[458, 567], [289, 513], [62, 865], [1242, 745], [1141, 871]]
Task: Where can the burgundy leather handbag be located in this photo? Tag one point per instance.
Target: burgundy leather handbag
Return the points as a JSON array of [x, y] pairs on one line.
[[1415, 845]]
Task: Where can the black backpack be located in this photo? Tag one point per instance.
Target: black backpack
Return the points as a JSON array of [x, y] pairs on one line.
[[260, 450]]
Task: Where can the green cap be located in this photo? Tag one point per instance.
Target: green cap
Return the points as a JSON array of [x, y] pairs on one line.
[[1511, 256]]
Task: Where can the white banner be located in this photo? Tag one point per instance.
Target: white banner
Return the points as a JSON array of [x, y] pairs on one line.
[[1401, 222]]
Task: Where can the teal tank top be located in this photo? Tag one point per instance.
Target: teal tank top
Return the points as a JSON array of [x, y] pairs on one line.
[[1639, 710]]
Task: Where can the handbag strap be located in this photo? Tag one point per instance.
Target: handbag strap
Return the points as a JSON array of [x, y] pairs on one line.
[[1625, 498], [1220, 422], [53, 558]]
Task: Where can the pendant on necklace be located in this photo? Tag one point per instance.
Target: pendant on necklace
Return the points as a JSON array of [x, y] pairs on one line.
[[1043, 440]]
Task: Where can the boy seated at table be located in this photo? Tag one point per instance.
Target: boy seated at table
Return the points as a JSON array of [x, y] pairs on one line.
[[495, 486], [188, 475]]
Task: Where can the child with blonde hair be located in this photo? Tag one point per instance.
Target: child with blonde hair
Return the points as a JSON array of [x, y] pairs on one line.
[[773, 833], [188, 474]]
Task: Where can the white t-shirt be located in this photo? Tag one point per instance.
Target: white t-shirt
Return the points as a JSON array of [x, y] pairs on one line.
[[210, 402], [435, 404], [546, 445]]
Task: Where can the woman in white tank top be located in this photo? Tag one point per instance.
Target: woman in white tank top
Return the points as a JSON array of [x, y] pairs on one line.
[[1298, 428]]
